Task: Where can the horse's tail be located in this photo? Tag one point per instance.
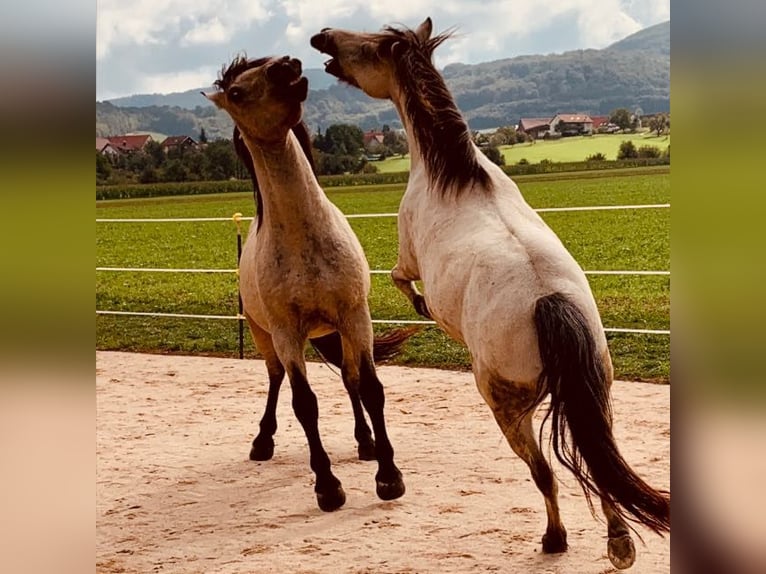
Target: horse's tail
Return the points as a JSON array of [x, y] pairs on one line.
[[385, 346], [580, 409]]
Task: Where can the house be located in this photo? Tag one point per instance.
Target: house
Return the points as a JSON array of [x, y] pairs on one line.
[[534, 127], [599, 121], [373, 139], [130, 143], [557, 126], [178, 143], [572, 124], [105, 147]]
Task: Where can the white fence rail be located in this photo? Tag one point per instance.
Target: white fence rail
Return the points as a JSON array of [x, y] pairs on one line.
[[240, 317]]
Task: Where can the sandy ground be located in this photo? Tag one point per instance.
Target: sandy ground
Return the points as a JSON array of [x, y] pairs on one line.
[[177, 493]]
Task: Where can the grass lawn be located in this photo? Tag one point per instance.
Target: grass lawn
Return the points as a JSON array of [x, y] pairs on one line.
[[599, 240], [566, 149]]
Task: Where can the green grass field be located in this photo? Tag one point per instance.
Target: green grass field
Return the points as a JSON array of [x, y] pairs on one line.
[[599, 240], [564, 149]]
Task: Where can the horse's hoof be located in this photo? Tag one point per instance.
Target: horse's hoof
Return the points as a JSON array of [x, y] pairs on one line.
[[367, 451], [332, 499], [621, 551], [263, 449], [555, 541], [390, 489]]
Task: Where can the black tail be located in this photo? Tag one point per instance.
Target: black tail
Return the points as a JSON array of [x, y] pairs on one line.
[[581, 414], [384, 346]]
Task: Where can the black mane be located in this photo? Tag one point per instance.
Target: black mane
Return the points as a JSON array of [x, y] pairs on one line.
[[238, 65], [439, 129]]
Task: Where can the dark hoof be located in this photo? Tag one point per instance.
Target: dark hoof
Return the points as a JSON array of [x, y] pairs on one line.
[[263, 449], [421, 307], [390, 489], [555, 541], [332, 499], [367, 451], [621, 551]]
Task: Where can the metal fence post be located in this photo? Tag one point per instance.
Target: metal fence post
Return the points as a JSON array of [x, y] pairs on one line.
[[237, 217]]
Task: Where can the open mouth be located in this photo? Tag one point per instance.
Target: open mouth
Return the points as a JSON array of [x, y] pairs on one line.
[[287, 76], [333, 68], [297, 90], [323, 43]]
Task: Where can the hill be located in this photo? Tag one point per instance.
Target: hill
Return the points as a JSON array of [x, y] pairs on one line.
[[632, 73]]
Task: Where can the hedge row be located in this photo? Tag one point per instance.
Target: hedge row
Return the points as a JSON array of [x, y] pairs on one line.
[[558, 167], [234, 186], [136, 190]]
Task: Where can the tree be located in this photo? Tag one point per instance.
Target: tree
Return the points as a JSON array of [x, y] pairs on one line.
[[627, 150], [220, 160], [658, 123], [395, 143], [175, 170], [154, 150], [342, 139], [103, 168], [621, 118], [494, 155], [202, 136]]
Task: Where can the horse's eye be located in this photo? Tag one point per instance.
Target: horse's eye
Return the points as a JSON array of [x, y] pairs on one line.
[[235, 94]]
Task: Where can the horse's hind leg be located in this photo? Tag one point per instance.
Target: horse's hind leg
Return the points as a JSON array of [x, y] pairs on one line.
[[330, 348], [329, 492], [620, 548], [359, 372], [508, 402], [263, 443], [362, 432]]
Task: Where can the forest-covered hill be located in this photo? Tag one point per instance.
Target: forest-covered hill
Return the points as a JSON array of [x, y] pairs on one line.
[[632, 73]]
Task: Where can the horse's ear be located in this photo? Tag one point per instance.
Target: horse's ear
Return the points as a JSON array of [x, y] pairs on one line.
[[390, 48], [215, 97], [423, 32], [397, 50]]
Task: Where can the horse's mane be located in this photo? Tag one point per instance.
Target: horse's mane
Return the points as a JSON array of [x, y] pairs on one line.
[[439, 129], [228, 75], [239, 64]]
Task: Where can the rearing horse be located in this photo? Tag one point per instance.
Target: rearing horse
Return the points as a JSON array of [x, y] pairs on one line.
[[499, 280], [303, 273]]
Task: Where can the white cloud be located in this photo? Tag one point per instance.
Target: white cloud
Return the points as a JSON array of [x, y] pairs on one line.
[[210, 32], [146, 22], [178, 81], [486, 29]]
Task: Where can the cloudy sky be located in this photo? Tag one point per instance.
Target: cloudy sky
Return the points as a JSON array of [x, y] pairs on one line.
[[163, 46]]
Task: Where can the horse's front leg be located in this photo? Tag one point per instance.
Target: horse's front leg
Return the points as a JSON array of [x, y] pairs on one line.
[[329, 492], [406, 284]]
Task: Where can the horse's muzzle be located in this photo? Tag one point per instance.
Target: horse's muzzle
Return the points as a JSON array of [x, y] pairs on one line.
[[322, 41]]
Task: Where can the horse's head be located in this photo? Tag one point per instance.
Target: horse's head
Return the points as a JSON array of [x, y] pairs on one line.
[[264, 97], [369, 61]]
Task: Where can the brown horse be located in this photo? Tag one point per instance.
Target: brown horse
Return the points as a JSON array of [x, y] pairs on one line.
[[303, 274], [329, 346], [499, 280]]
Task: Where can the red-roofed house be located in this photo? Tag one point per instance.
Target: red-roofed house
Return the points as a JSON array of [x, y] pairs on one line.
[[105, 147], [178, 142], [599, 121], [534, 127], [373, 138], [130, 143]]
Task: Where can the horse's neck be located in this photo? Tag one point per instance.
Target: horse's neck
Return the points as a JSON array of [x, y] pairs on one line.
[[289, 189], [416, 160]]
